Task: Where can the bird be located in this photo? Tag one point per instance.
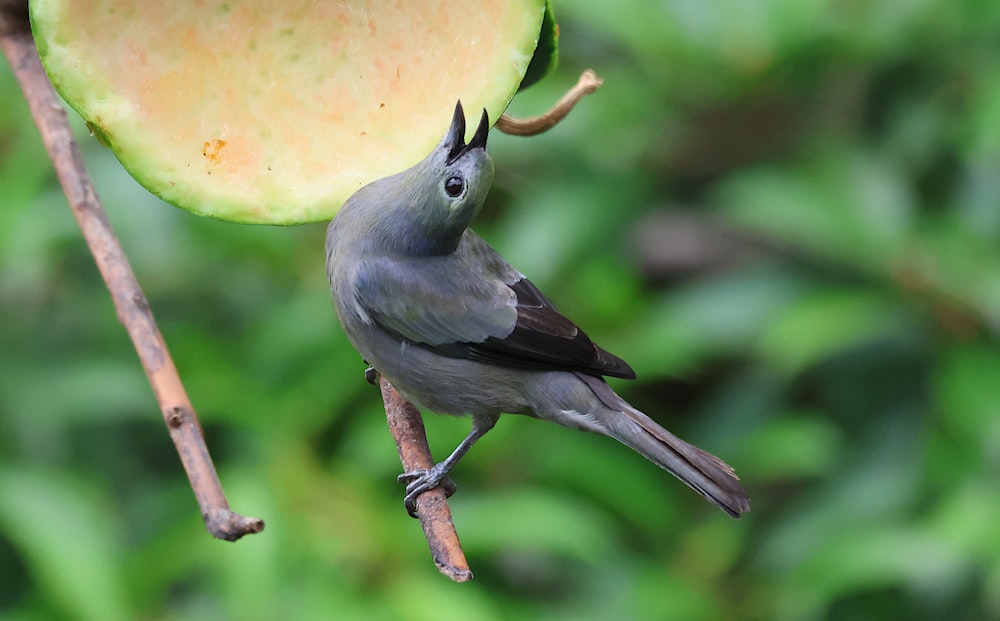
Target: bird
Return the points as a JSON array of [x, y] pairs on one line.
[[457, 330]]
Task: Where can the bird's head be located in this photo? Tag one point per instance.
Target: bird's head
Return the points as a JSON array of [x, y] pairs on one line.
[[425, 209]]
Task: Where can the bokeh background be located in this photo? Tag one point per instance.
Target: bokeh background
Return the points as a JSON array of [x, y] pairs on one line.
[[784, 213]]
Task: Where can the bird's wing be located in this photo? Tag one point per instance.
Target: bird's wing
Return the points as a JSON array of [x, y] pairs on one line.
[[473, 304], [543, 338], [421, 301]]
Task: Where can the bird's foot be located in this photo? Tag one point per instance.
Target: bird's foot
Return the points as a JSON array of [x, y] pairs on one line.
[[371, 374], [419, 481]]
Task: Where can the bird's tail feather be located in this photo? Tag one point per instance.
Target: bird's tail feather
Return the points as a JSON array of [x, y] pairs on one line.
[[701, 471]]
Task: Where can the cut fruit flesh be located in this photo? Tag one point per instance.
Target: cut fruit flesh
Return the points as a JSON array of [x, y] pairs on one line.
[[276, 112]]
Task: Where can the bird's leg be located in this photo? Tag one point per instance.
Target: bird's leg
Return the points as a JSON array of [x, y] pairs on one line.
[[419, 481]]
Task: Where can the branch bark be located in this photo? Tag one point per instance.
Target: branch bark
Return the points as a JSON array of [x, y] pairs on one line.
[[407, 429], [130, 302]]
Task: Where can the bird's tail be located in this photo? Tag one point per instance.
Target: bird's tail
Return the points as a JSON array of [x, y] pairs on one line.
[[701, 471]]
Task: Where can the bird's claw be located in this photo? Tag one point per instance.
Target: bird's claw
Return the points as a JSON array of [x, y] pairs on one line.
[[419, 481], [371, 374]]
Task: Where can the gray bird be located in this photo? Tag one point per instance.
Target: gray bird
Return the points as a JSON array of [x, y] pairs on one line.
[[457, 330]]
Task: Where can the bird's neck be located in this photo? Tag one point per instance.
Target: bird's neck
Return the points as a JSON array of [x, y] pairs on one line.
[[412, 238]]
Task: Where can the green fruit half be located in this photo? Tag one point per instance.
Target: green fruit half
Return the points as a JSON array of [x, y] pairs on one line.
[[276, 112]]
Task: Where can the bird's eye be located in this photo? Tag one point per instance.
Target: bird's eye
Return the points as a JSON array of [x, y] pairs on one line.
[[454, 186]]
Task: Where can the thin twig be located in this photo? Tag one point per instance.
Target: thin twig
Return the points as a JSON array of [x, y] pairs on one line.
[[531, 126], [129, 300], [432, 506]]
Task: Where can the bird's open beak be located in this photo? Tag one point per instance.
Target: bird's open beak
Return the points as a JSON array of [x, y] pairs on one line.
[[482, 132], [455, 139]]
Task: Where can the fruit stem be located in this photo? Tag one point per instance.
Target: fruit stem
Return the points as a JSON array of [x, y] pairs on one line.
[[531, 126], [130, 302]]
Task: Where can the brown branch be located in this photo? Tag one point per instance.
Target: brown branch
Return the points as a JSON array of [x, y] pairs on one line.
[[432, 506], [587, 84], [130, 303]]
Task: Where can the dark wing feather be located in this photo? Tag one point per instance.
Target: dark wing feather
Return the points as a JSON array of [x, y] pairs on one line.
[[546, 340]]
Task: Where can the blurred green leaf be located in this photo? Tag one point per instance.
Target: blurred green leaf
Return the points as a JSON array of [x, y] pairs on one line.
[[799, 445], [713, 315], [853, 207], [544, 522], [66, 537], [826, 323], [968, 396]]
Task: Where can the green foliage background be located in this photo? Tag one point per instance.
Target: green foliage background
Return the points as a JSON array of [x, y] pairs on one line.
[[784, 213]]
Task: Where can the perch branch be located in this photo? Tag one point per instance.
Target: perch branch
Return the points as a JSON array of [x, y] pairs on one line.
[[432, 506], [531, 126], [130, 302]]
